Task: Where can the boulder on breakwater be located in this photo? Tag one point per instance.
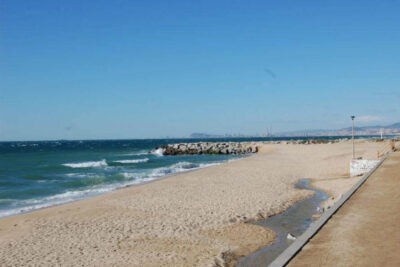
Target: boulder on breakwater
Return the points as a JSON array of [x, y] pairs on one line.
[[207, 148]]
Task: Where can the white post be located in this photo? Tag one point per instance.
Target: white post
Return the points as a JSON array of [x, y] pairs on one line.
[[352, 135]]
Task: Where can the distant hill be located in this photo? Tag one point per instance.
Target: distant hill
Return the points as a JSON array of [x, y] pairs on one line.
[[363, 130], [394, 126], [359, 130], [391, 126]]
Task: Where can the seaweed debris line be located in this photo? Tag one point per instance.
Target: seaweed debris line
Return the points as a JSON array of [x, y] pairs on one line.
[[287, 225]]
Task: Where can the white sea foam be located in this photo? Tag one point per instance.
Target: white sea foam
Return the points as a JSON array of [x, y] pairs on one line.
[[158, 152], [28, 205], [179, 167], [162, 171], [87, 164], [82, 175], [66, 197], [139, 153], [130, 175], [130, 161], [69, 196], [137, 178]]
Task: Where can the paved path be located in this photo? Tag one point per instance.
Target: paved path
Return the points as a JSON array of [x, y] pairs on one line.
[[366, 229]]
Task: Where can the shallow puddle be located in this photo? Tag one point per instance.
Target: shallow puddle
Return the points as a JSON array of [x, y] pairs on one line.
[[294, 220]]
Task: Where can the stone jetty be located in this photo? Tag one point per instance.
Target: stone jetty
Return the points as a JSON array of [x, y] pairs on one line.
[[207, 148]]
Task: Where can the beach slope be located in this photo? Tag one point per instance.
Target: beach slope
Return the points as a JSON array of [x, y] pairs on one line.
[[190, 219]]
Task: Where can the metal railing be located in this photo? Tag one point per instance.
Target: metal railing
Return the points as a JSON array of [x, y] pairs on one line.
[[388, 147]]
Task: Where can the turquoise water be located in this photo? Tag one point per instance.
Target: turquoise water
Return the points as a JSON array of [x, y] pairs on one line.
[[35, 175]]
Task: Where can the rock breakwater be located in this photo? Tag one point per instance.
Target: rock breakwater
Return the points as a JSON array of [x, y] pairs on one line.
[[207, 148]]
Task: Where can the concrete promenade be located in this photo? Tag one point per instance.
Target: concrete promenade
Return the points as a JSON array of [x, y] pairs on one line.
[[365, 231]]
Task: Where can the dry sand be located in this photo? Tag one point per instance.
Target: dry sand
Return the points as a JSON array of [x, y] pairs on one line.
[[190, 219]]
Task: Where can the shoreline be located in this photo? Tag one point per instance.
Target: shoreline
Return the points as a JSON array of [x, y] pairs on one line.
[[195, 218], [128, 186]]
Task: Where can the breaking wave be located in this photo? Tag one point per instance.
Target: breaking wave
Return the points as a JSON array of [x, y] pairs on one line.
[[179, 167], [87, 164], [158, 152], [130, 161], [69, 196], [140, 153], [18, 206]]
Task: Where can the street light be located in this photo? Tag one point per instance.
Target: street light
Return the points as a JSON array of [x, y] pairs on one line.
[[352, 134]]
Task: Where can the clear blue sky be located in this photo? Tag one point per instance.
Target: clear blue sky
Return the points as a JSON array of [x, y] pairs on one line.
[[137, 69]]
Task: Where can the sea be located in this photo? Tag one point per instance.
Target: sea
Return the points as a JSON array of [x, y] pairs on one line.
[[39, 174]]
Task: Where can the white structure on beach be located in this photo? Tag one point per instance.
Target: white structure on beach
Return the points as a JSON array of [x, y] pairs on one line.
[[361, 166]]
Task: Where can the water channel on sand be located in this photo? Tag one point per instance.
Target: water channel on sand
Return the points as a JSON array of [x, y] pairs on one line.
[[294, 220]]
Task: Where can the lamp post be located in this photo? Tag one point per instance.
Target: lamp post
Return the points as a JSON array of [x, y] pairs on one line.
[[352, 134]]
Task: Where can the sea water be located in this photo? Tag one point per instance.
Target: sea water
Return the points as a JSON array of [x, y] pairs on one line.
[[35, 175]]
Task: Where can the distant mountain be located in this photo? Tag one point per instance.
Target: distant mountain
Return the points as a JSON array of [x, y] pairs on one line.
[[394, 126], [359, 130], [363, 130]]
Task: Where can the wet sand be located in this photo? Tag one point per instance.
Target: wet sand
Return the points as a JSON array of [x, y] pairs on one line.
[[365, 230], [190, 219]]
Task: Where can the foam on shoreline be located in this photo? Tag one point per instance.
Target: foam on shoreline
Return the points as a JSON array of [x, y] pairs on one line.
[[29, 205], [192, 219]]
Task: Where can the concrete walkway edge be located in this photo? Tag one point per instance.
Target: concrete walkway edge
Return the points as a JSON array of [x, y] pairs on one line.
[[302, 240]]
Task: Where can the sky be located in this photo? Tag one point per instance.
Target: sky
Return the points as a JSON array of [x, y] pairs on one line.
[[154, 69]]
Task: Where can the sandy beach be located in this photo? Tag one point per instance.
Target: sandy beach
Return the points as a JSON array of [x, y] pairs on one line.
[[190, 219]]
